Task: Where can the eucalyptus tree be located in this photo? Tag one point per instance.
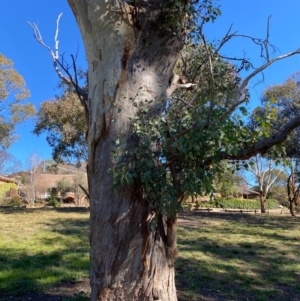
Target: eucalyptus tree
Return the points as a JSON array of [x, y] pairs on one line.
[[63, 121], [265, 171], [283, 100], [12, 110], [154, 135], [280, 103], [293, 186]]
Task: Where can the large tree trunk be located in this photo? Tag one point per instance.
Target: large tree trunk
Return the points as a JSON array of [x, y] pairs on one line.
[[129, 59]]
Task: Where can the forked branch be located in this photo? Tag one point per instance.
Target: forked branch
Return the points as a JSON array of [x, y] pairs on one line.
[[60, 65]]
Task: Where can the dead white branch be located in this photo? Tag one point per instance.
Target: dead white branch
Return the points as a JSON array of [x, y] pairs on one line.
[[54, 54], [60, 65]]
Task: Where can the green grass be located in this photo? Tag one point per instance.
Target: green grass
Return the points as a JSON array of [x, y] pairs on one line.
[[239, 257], [222, 256], [40, 248]]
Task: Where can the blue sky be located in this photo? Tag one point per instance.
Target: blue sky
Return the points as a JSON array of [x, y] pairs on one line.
[[34, 62]]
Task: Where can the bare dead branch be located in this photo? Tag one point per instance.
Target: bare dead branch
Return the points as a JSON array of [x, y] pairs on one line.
[[225, 39], [54, 54], [61, 65]]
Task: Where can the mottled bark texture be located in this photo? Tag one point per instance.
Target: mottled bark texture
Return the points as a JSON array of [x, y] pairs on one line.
[[130, 57]]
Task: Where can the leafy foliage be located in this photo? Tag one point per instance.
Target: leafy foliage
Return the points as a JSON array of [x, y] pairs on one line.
[[280, 103], [4, 188], [12, 92], [64, 122], [177, 153]]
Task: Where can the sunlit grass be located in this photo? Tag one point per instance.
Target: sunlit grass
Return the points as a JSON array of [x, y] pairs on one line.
[[221, 256], [41, 248], [239, 257]]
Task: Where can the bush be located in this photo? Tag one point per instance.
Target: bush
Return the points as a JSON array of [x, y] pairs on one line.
[[4, 189], [54, 202], [15, 202], [233, 203]]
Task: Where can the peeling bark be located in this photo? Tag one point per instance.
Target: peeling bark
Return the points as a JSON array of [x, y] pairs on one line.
[[126, 62]]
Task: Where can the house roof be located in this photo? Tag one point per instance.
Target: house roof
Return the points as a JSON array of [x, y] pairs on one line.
[[8, 180]]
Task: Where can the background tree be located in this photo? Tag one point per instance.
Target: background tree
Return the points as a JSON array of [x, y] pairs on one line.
[[31, 180], [265, 171], [76, 185], [282, 101], [152, 145], [12, 92], [278, 189], [293, 186], [230, 182], [8, 163], [63, 120]]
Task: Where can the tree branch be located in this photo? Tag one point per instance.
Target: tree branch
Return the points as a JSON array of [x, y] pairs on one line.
[[264, 145], [69, 80], [240, 96]]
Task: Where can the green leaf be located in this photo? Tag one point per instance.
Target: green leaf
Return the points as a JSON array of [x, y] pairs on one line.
[[243, 111]]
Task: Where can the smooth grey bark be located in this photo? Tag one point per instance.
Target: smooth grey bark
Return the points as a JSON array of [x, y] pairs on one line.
[[128, 60]]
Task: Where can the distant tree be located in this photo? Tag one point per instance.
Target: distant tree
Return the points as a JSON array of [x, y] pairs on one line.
[[8, 163], [75, 185], [278, 189], [265, 171], [280, 103], [63, 120], [31, 180], [293, 186], [64, 185], [12, 92], [230, 182]]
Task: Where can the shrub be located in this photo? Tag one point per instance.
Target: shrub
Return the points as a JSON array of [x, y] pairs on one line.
[[15, 202], [4, 188], [54, 202]]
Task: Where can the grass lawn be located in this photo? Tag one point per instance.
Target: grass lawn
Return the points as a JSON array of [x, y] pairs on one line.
[[40, 248], [234, 256], [44, 255]]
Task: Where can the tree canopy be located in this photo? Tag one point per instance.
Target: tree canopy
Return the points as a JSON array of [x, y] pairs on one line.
[[283, 102], [64, 122], [12, 92]]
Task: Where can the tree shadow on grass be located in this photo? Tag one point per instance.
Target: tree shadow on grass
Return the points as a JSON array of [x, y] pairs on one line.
[[227, 258], [58, 258], [13, 210]]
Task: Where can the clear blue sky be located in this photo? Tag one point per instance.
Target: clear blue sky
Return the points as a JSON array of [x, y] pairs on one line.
[[34, 62]]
